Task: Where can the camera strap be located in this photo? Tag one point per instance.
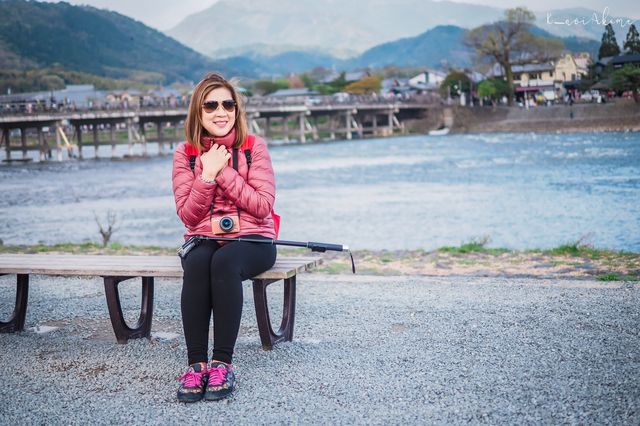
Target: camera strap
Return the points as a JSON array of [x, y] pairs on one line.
[[234, 155]]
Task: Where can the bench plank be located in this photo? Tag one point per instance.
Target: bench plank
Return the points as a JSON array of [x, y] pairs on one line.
[[130, 265], [116, 269]]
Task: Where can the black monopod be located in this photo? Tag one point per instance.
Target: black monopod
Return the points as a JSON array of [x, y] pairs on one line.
[[314, 246]]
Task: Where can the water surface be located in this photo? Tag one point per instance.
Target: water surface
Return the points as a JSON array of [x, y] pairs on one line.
[[521, 190]]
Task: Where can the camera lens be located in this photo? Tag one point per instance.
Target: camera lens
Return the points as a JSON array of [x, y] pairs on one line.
[[226, 224]]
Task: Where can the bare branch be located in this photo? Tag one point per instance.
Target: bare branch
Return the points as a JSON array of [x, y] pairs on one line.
[[110, 229]]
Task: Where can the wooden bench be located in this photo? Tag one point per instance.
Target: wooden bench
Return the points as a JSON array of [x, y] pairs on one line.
[[115, 269]]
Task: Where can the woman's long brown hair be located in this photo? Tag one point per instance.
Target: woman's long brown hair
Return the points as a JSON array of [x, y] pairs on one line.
[[193, 128]]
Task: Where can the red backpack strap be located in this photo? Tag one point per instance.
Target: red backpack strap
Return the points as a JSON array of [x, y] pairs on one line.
[[193, 153], [247, 147]]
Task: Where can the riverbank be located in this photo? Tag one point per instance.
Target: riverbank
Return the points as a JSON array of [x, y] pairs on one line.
[[623, 115], [570, 261]]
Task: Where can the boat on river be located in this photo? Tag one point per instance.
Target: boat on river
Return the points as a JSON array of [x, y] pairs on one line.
[[440, 131]]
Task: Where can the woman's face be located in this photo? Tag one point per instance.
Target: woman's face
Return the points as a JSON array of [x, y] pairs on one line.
[[218, 122]]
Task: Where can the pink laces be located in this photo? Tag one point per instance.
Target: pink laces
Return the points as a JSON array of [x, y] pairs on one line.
[[217, 375], [191, 378]]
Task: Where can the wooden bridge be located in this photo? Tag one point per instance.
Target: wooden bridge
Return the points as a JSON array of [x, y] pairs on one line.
[[302, 122]]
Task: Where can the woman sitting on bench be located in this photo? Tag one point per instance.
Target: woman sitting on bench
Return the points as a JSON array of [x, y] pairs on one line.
[[218, 196]]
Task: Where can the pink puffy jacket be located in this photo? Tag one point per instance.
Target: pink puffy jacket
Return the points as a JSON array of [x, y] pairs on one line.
[[253, 194]]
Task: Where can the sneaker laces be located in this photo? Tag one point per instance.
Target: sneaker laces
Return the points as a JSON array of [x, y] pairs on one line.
[[217, 375], [191, 378]]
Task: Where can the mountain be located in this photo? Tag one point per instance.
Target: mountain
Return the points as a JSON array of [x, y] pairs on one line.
[[573, 44], [434, 48], [94, 41], [348, 25], [292, 62], [353, 25], [443, 47]]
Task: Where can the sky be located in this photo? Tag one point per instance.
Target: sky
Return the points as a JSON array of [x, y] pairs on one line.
[[165, 14]]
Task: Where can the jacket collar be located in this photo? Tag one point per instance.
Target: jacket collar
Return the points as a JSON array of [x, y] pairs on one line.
[[227, 140]]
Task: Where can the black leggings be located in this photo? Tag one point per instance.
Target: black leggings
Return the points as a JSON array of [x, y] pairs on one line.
[[212, 282]]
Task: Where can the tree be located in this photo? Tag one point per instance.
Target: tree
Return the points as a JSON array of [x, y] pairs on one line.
[[336, 85], [264, 87], [455, 83], [509, 42], [308, 80], [609, 45], [486, 89], [627, 79], [365, 86], [632, 43]]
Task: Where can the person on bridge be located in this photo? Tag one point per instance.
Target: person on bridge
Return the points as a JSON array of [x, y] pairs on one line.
[[216, 196]]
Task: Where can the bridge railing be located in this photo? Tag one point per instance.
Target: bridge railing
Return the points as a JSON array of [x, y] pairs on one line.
[[254, 102]]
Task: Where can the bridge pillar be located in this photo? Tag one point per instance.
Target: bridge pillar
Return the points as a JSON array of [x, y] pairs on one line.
[[143, 138], [314, 129], [390, 122], [79, 136], [301, 119], [130, 135], [112, 139], [332, 127], [96, 142], [348, 126], [42, 145], [7, 142], [268, 133], [285, 128], [374, 121], [160, 138], [23, 141]]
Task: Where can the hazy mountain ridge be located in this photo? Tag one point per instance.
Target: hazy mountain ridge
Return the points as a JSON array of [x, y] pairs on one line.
[[352, 24], [439, 47], [343, 24]]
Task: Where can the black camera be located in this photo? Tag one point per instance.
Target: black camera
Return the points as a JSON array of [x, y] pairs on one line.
[[226, 224]]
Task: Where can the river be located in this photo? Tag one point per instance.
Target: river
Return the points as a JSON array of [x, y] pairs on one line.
[[415, 192]]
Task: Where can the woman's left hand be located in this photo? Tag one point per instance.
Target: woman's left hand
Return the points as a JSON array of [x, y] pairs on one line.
[[214, 160]]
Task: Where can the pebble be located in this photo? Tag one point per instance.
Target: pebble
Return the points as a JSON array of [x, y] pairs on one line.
[[471, 350]]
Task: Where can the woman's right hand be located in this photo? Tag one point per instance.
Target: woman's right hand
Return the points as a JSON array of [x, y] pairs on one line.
[[213, 161]]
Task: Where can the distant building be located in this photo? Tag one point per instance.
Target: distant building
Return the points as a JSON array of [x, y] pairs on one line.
[[74, 96], [602, 63], [622, 60], [583, 61], [395, 86], [427, 80], [292, 95], [545, 78], [349, 77], [124, 98]]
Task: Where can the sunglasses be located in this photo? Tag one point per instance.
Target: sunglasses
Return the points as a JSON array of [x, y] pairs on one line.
[[210, 106]]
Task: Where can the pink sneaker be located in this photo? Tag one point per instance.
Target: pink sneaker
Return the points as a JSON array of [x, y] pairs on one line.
[[193, 382], [222, 381]]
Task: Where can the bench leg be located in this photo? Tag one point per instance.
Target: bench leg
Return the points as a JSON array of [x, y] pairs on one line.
[[16, 322], [121, 329], [267, 336]]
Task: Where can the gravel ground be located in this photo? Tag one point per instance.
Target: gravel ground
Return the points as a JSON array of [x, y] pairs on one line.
[[366, 349]]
